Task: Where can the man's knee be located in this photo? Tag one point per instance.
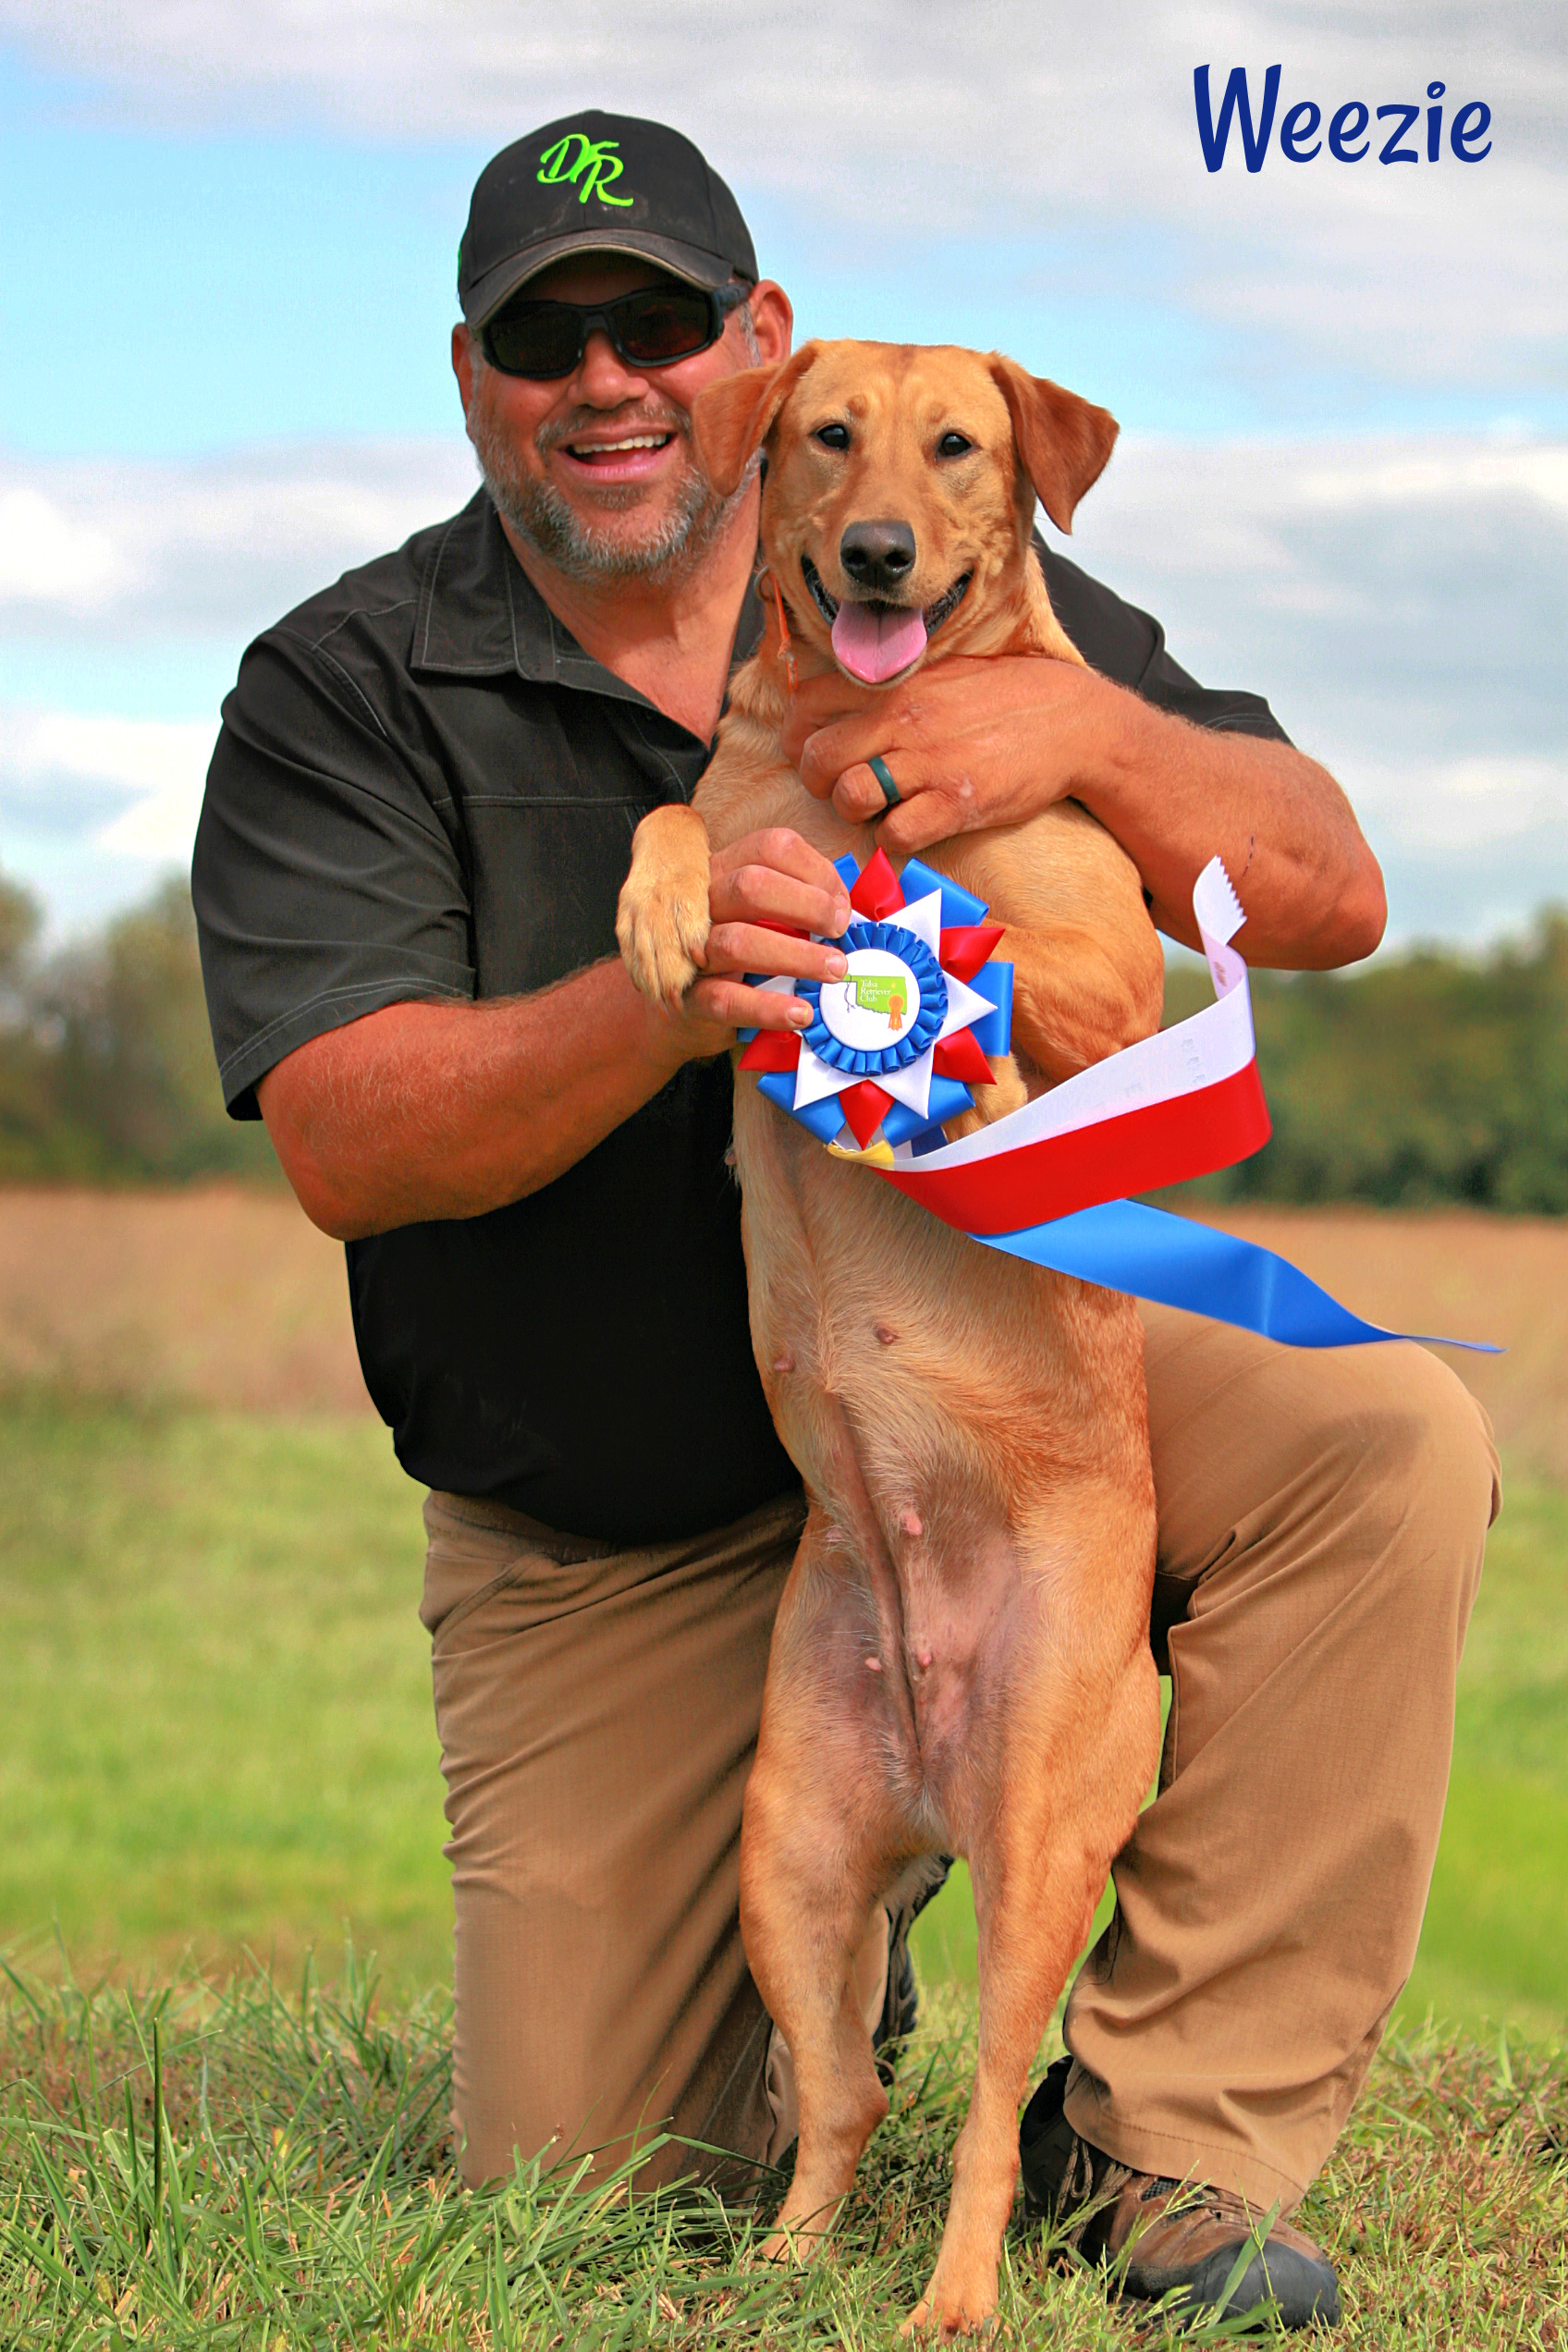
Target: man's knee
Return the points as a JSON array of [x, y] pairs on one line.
[[1417, 1471]]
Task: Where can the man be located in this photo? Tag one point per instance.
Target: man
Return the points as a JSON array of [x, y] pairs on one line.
[[417, 822]]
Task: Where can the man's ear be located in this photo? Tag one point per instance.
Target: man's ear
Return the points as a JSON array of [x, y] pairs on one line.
[[731, 419], [1062, 441]]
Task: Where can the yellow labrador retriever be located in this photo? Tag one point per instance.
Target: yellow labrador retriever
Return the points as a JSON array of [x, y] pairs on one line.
[[961, 1661]]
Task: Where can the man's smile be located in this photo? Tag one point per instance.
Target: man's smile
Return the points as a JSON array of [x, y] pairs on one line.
[[631, 441], [617, 457]]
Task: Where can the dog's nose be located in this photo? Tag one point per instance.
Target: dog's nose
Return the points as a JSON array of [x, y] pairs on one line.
[[877, 555]]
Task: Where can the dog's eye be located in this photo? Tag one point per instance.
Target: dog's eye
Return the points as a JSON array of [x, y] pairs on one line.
[[833, 436], [953, 444]]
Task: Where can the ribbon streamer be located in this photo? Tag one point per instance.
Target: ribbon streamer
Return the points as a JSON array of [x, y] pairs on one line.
[[1181, 1103], [1047, 1183], [1125, 1245]]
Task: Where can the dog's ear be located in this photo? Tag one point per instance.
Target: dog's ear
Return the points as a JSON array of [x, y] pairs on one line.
[[1063, 441], [731, 419]]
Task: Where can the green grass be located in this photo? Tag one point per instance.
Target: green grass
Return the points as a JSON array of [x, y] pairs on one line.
[[215, 1691], [216, 1702], [199, 2169], [1496, 1938], [217, 1721]]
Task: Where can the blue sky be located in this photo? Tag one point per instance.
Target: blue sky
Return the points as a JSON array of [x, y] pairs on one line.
[[229, 290]]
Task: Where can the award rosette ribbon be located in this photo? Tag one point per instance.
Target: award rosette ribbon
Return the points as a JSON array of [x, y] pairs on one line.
[[896, 1045], [895, 1048]]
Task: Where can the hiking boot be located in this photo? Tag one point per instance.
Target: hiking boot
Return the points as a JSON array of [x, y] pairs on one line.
[[901, 2002], [1161, 2234]]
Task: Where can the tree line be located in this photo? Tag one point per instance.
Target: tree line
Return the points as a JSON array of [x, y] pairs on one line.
[[106, 1070], [1421, 1079]]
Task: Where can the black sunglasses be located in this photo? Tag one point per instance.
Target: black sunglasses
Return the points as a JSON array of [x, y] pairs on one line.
[[652, 328]]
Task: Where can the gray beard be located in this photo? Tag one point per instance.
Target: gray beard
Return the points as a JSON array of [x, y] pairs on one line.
[[545, 519]]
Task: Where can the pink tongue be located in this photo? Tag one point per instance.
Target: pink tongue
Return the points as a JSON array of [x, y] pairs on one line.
[[874, 646]]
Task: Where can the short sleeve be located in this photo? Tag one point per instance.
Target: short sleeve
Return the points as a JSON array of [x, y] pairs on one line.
[[325, 883], [1129, 645]]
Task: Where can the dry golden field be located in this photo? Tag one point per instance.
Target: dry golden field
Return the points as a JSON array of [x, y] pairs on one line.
[[224, 1295], [220, 1294], [1460, 1272]]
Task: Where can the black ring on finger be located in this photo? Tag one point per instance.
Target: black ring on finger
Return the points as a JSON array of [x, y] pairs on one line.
[[884, 775]]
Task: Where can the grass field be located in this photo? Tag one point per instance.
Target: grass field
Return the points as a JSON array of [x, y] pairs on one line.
[[217, 1740], [219, 1730], [193, 2170], [215, 1691], [224, 1295]]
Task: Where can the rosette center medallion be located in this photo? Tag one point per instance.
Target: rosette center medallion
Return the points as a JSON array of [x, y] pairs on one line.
[[887, 1010]]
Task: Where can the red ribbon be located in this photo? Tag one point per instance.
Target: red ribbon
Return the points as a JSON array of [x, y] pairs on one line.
[[1160, 1143]]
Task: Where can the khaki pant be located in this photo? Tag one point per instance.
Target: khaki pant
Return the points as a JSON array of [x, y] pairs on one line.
[[1322, 1516]]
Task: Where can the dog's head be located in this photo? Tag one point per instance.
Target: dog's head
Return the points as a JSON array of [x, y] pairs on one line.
[[901, 490]]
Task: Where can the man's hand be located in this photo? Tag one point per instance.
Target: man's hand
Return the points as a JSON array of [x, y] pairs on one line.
[[974, 743], [970, 743], [757, 885]]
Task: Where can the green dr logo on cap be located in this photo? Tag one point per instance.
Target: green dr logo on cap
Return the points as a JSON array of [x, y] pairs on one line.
[[595, 164]]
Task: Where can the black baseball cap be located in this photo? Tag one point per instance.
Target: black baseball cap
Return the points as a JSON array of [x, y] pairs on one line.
[[604, 184]]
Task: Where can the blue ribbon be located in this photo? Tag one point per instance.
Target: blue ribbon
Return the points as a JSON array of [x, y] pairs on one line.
[[1125, 1246]]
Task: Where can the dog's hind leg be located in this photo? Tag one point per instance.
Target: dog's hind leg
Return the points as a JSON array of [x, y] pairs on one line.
[[811, 1933], [819, 1844], [1073, 1755]]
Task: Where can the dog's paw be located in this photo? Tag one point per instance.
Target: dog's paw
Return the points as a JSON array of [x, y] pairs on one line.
[[794, 2245], [661, 921], [945, 2312], [928, 2324], [660, 938]]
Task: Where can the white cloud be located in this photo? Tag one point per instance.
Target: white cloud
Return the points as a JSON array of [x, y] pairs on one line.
[[1402, 602], [50, 557], [60, 771], [1537, 471], [220, 545], [1456, 808], [1399, 595], [1470, 847], [1023, 100]]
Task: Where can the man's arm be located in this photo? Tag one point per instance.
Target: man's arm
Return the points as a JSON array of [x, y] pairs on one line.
[[421, 1110], [442, 1109], [333, 909], [974, 743]]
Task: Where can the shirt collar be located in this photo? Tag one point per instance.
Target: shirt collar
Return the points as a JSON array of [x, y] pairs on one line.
[[480, 616]]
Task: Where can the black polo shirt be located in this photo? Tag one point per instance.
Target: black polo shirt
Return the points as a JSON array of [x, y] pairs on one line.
[[424, 788]]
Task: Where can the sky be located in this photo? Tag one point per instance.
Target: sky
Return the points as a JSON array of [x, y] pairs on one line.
[[229, 238]]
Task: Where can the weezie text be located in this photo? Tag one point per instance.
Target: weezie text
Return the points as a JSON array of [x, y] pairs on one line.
[[1347, 140]]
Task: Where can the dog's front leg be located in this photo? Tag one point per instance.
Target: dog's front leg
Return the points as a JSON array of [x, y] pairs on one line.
[[661, 921]]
